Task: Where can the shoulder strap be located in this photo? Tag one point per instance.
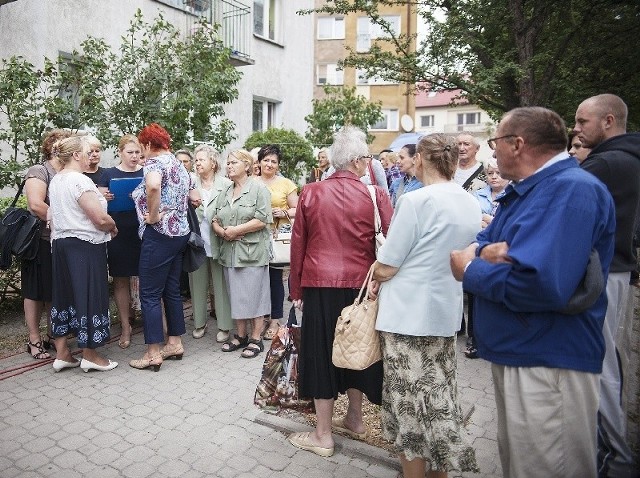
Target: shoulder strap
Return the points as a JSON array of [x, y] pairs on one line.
[[15, 198], [372, 177], [377, 222], [476, 173]]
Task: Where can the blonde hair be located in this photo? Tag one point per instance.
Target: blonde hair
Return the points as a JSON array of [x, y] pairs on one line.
[[64, 149], [440, 152], [125, 140], [93, 141], [245, 157]]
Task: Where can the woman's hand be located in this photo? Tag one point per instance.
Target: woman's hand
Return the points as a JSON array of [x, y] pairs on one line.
[[372, 289], [153, 219], [113, 232], [278, 212], [232, 233], [298, 304]]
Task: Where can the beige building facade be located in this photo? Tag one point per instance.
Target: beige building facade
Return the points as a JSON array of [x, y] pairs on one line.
[[332, 35]]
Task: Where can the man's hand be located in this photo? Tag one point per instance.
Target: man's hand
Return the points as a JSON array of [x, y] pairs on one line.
[[486, 220], [459, 259], [496, 253]]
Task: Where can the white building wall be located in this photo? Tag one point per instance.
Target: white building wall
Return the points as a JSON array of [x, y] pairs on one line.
[[282, 71], [446, 121]]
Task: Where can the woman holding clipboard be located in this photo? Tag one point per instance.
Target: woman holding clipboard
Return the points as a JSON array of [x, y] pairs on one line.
[[116, 185]]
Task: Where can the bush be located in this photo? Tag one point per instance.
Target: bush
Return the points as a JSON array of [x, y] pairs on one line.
[[297, 153]]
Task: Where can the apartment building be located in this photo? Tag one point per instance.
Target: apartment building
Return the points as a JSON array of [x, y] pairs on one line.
[[271, 45], [443, 111], [333, 34]]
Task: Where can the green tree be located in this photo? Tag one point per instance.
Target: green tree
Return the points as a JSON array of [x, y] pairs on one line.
[[27, 98], [342, 106], [155, 76], [297, 153], [508, 53]]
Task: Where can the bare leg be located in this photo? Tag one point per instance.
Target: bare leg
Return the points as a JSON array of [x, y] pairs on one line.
[[256, 330], [353, 418], [122, 296], [322, 434], [414, 468], [62, 350], [32, 314]]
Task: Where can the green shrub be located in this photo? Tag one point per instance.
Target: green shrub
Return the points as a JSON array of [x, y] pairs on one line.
[[297, 153]]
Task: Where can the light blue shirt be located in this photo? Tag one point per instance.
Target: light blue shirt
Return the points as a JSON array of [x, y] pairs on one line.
[[423, 298]]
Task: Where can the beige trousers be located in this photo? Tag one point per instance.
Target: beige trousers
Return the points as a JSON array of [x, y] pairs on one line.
[[547, 420]]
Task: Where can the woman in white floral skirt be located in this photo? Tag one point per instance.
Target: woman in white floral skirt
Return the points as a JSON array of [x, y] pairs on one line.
[[419, 313]]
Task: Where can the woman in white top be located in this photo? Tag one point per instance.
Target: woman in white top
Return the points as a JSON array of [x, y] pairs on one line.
[[80, 229], [419, 313], [209, 183]]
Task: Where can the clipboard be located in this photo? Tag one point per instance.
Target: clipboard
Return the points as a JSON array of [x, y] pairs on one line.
[[121, 188]]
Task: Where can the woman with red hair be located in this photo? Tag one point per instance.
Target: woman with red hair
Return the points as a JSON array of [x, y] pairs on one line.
[[161, 204]]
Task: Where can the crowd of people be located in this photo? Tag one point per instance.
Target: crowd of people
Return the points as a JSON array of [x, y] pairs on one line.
[[498, 249]]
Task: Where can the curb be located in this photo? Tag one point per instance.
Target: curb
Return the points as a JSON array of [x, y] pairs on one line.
[[347, 446]]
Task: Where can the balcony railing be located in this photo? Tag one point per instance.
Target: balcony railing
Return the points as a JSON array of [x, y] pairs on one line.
[[233, 16]]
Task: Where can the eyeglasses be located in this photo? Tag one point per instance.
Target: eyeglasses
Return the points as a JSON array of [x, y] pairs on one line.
[[366, 157], [492, 141]]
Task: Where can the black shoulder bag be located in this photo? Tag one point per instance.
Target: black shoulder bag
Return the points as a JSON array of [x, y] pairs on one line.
[[19, 233]]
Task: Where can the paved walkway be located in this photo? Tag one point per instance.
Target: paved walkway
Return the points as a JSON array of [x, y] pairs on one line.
[[194, 418]]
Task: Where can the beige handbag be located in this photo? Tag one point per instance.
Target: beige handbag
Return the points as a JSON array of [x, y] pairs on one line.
[[356, 345]]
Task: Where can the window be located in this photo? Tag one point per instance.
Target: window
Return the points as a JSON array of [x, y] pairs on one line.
[[389, 121], [368, 31], [363, 79], [266, 14], [329, 74], [467, 119], [330, 28], [265, 114], [427, 121]]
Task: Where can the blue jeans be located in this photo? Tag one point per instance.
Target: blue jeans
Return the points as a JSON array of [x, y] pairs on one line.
[[160, 267], [277, 293]]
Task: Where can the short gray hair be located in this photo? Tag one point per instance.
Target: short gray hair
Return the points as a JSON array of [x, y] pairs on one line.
[[212, 153], [348, 144]]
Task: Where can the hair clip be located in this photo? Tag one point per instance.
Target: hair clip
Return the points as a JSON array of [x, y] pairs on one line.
[[447, 147]]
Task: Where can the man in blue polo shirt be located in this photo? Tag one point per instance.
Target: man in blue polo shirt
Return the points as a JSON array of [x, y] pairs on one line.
[[526, 266]]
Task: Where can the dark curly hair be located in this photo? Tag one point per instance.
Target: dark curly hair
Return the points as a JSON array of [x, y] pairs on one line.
[[269, 149]]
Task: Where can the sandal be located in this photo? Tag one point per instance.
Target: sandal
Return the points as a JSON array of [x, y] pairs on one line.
[[270, 333], [471, 351], [50, 343], [230, 345], [250, 351], [41, 353]]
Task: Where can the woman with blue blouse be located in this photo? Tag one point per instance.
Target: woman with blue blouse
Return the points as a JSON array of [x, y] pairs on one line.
[[408, 182], [161, 204], [241, 217], [420, 310]]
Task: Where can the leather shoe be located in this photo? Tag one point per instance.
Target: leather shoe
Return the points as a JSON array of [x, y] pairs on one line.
[[86, 365], [60, 364], [301, 440], [199, 332]]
